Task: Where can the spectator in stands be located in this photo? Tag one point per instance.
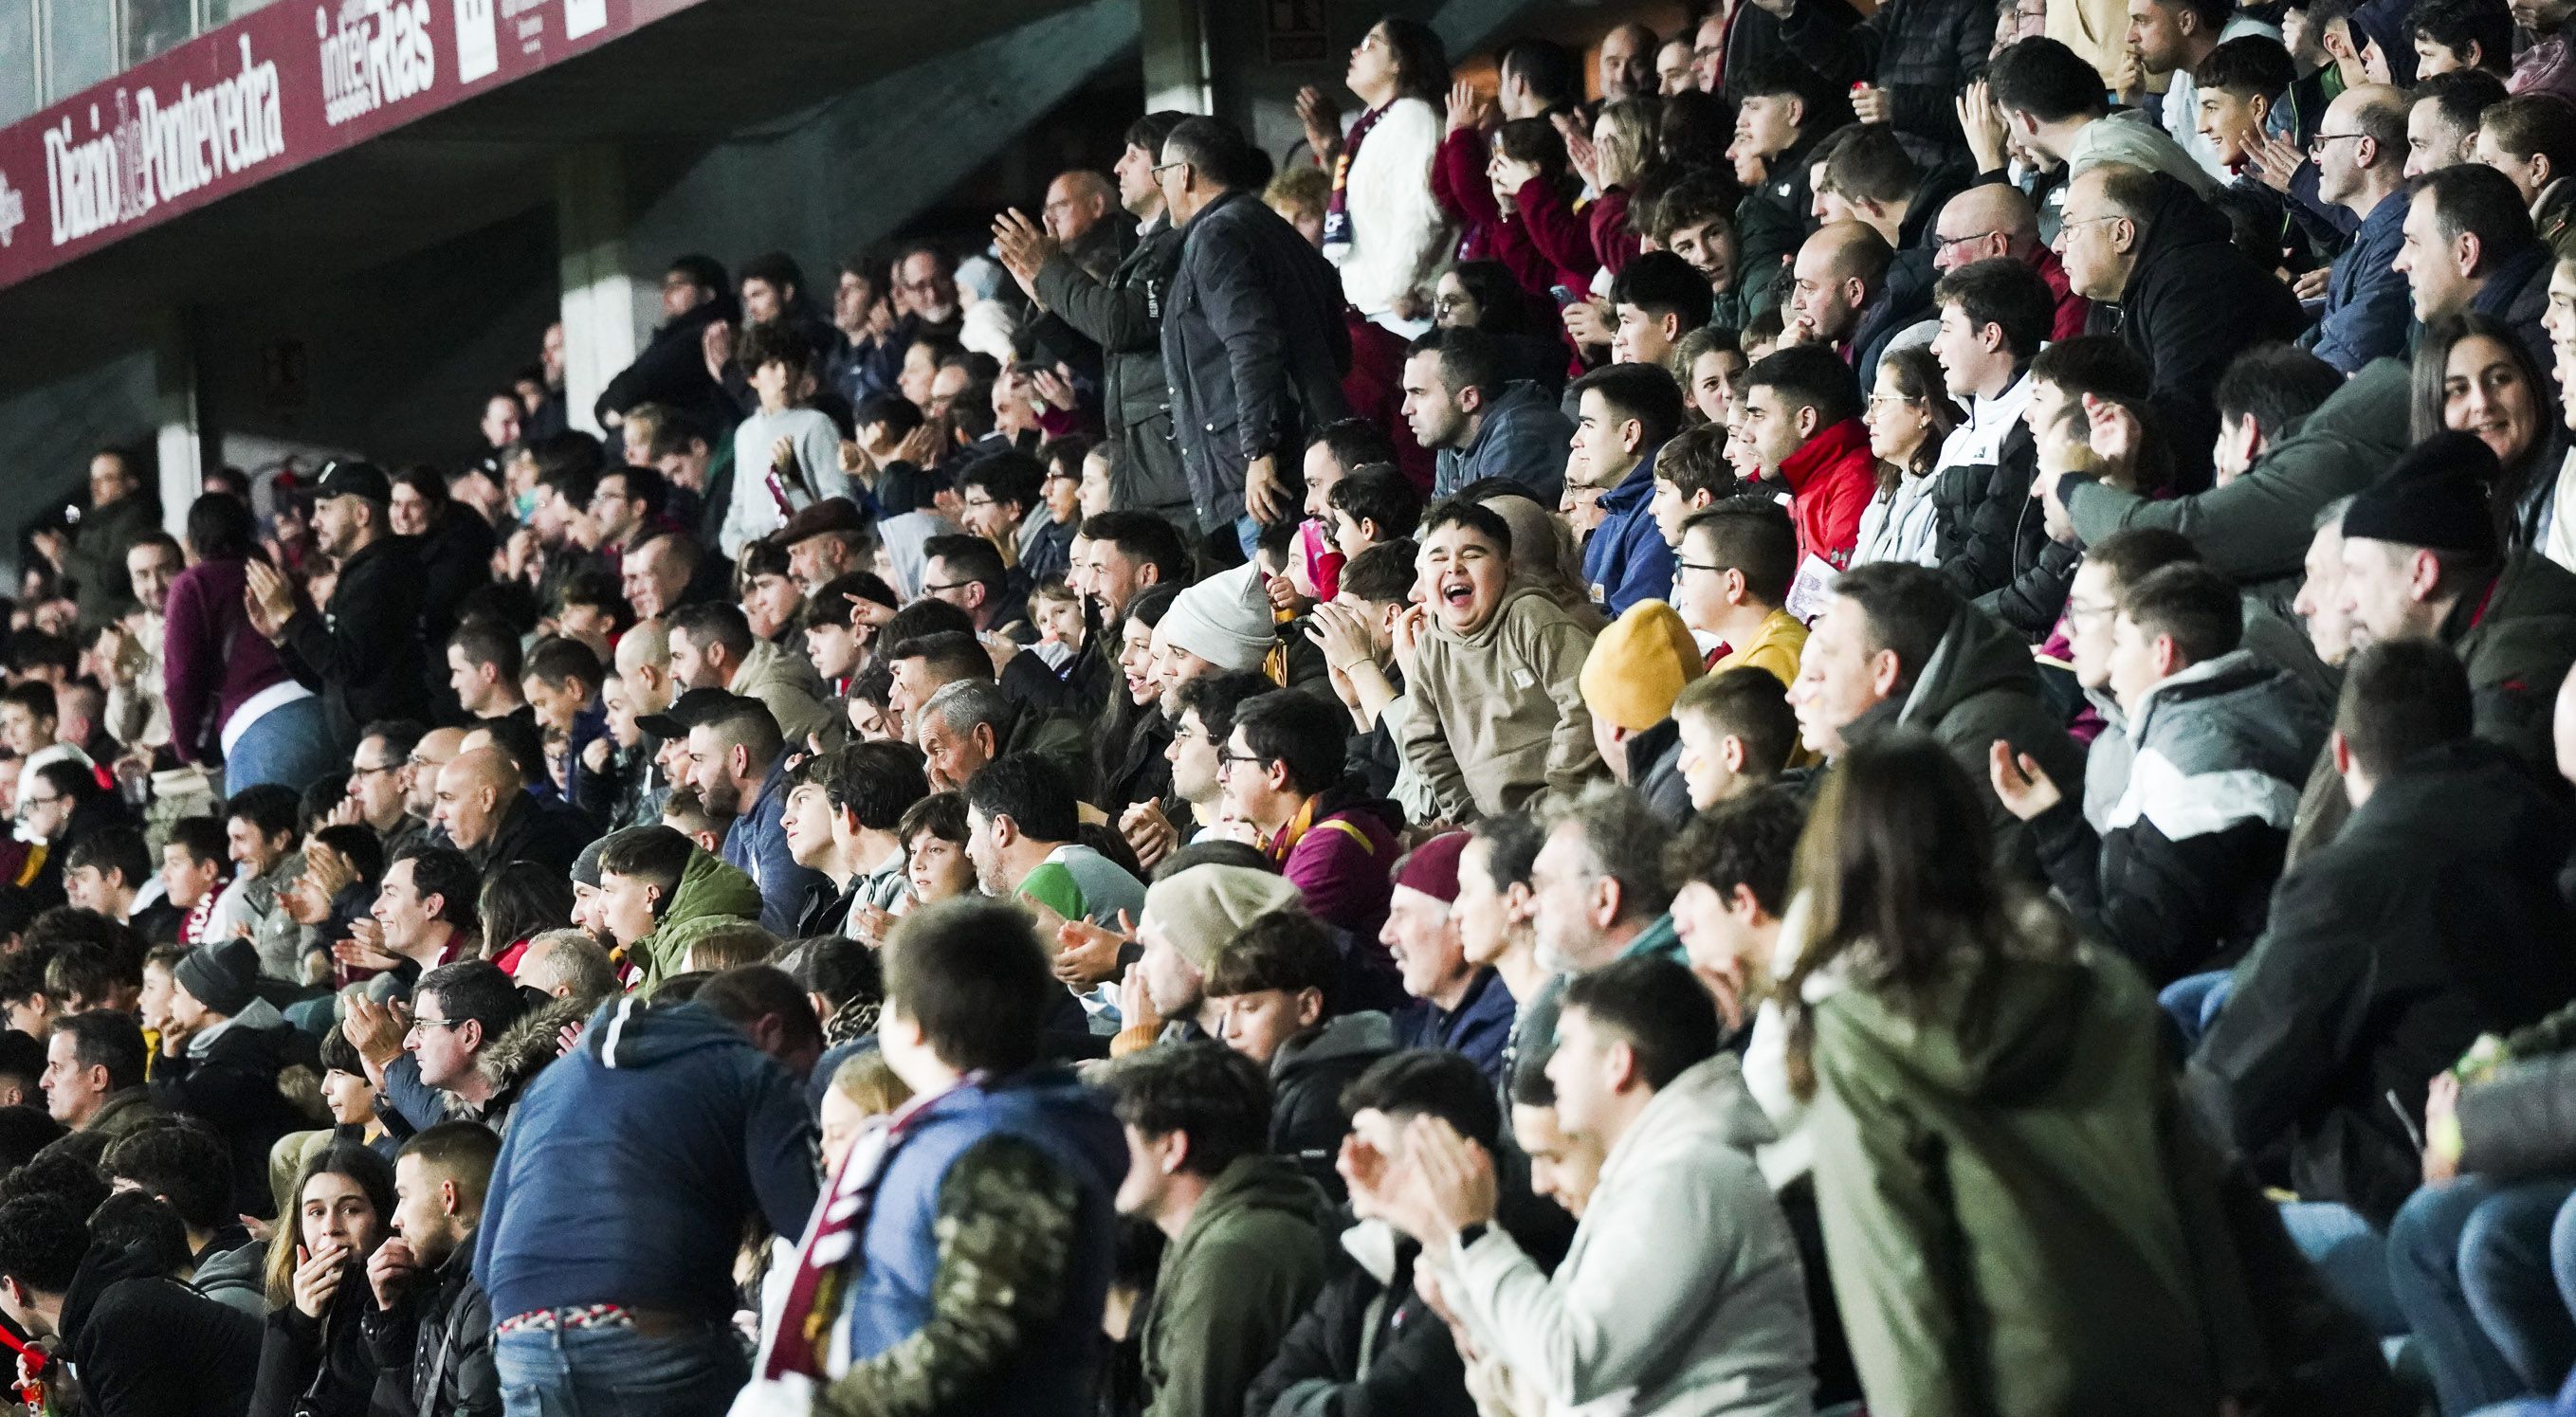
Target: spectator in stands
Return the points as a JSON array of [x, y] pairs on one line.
[[1244, 281], [1657, 299], [313, 1349], [1498, 717], [2360, 152], [1904, 67], [2053, 105], [94, 1075], [969, 573], [186, 1166], [2422, 561], [1635, 669], [786, 457], [1996, 219], [483, 670], [1282, 770], [1896, 647], [2461, 34], [1456, 1004], [1246, 1250], [220, 1057], [1457, 404], [694, 1131], [430, 1329], [712, 647], [486, 811], [1021, 829], [1897, 873], [1885, 189], [658, 892], [1278, 986], [2469, 247], [1382, 226], [738, 763], [842, 811], [2189, 300], [1682, 1275], [367, 653], [224, 682], [1802, 425], [970, 723], [672, 370], [447, 1065], [1737, 733], [1623, 415], [2363, 988], [140, 1341], [2527, 139], [1854, 294], [1189, 916]]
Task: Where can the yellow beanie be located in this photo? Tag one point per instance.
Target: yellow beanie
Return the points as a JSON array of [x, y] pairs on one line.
[[1638, 667]]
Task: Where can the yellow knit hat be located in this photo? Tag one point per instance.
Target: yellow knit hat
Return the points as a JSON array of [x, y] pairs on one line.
[[1638, 667]]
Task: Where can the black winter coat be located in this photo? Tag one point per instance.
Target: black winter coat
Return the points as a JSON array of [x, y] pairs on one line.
[[317, 1367], [1991, 530], [365, 655], [234, 1090], [1365, 1349], [1923, 52], [145, 1345], [2193, 303], [673, 370], [2432, 918], [1124, 316], [433, 1349], [1254, 348], [2035, 599]]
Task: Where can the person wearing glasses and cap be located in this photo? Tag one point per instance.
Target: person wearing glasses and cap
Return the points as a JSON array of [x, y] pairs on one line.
[[365, 650]]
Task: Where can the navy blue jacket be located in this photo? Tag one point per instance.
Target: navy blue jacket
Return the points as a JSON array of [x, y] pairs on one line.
[[1478, 1028], [1524, 437], [2367, 304], [1626, 560], [758, 844], [632, 1163]]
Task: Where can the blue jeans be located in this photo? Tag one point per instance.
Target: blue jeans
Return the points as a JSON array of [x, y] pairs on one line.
[[2350, 1256], [2468, 1261], [616, 1372], [289, 745]]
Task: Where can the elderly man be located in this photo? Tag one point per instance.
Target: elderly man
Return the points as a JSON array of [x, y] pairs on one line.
[[824, 542], [968, 723], [1457, 1004], [1996, 219], [484, 807]]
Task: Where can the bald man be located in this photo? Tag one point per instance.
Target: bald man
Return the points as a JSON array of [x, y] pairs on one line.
[[2360, 152], [436, 749], [1076, 204], [644, 665], [1997, 219], [1627, 63], [484, 807], [1851, 291]]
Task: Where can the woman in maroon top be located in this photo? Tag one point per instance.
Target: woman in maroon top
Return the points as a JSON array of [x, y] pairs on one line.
[[232, 703]]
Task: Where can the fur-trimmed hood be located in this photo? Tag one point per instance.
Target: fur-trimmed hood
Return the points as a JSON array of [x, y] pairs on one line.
[[524, 1048]]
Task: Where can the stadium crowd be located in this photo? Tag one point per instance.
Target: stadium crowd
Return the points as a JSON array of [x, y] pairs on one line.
[[1841, 711]]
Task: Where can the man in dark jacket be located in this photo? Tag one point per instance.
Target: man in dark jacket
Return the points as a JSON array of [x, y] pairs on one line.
[[363, 653], [2469, 247], [1124, 316], [2432, 918], [1456, 401], [672, 370], [221, 1053], [140, 1342], [631, 1167], [94, 558], [1905, 64], [430, 1330], [1897, 648], [1253, 340], [2162, 273]]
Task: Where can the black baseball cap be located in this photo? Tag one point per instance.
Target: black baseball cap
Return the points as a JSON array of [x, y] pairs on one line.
[[353, 479], [686, 712]]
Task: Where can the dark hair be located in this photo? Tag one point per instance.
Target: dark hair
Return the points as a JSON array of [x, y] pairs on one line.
[[1355, 443], [2251, 64], [1381, 495], [2276, 385], [1469, 358], [1897, 869], [1149, 131], [704, 272], [1656, 1008], [775, 269], [746, 723], [1219, 699], [43, 1237], [2045, 79], [105, 1038], [2460, 98], [269, 808], [776, 342], [2535, 125], [115, 847], [22, 1057], [655, 855], [1749, 841], [1300, 732], [876, 783], [1286, 950], [1214, 147], [712, 623], [1474, 516], [1030, 790], [520, 901], [559, 659], [2195, 605], [475, 989], [643, 484], [1204, 1090], [1428, 1082], [841, 969], [1870, 165], [1548, 69], [1382, 574], [182, 1161], [2401, 698], [462, 1152], [942, 814], [1144, 537], [1753, 535], [1421, 61], [1907, 608], [2457, 24], [222, 528], [2101, 365], [971, 557], [373, 1174], [450, 875], [1008, 476], [202, 838], [1647, 393], [2003, 291], [949, 655], [2131, 554], [1809, 376], [972, 975], [2473, 199], [746, 993], [2433, 345], [1661, 283]]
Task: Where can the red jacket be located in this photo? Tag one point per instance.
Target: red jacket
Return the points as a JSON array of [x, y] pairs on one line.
[[1596, 237], [1460, 186], [2073, 310], [1831, 478]]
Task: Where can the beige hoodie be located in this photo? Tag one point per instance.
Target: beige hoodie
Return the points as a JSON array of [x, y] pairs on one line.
[[1497, 718]]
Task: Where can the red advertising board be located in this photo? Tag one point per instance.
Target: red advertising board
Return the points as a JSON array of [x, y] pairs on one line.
[[237, 105]]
